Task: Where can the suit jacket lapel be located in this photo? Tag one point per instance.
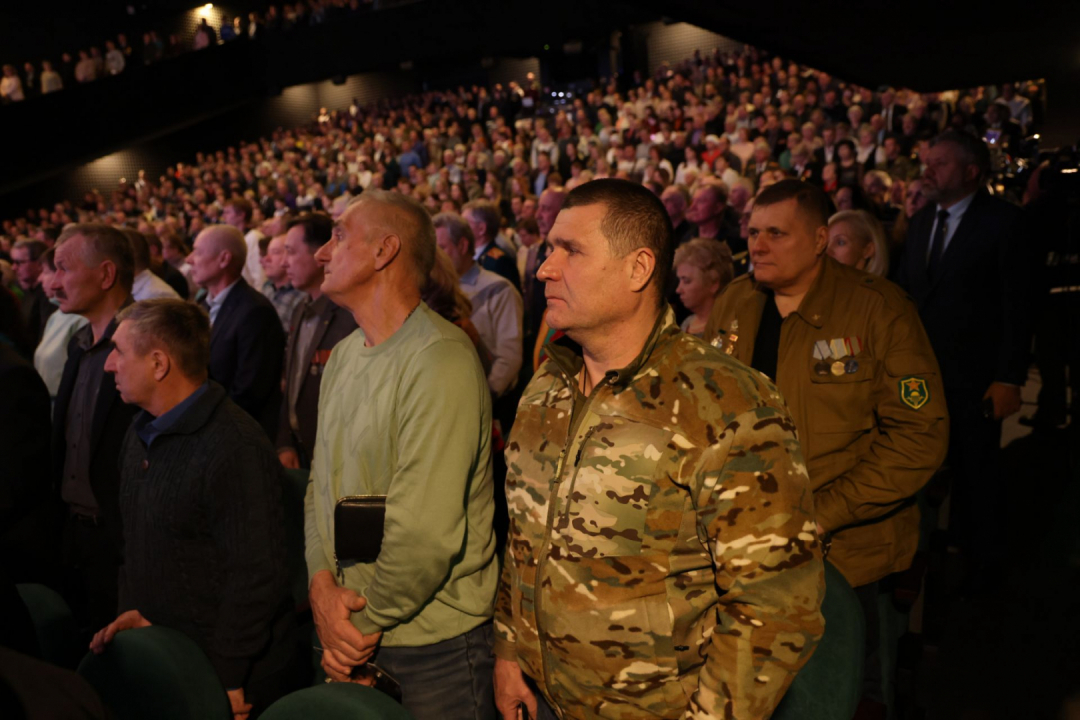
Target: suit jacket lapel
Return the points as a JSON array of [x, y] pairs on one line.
[[965, 231], [918, 249], [290, 345], [221, 324]]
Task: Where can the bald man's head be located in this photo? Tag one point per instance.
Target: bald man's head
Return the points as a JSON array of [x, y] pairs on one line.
[[218, 256]]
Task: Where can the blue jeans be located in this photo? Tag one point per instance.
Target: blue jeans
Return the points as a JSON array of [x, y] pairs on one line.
[[450, 680]]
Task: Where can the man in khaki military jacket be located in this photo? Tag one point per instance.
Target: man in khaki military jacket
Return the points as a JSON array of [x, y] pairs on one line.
[[849, 354]]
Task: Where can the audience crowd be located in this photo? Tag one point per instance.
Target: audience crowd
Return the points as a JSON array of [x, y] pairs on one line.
[[788, 194], [41, 77]]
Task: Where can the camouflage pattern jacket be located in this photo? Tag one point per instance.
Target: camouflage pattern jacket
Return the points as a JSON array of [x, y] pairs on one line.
[[663, 560]]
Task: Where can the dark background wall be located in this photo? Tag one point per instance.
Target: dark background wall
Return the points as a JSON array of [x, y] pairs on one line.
[[672, 43]]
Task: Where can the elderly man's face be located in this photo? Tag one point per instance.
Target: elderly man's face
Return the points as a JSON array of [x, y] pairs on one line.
[[348, 258], [134, 373], [783, 247], [458, 252], [704, 206], [78, 285], [547, 211], [207, 260], [585, 285]]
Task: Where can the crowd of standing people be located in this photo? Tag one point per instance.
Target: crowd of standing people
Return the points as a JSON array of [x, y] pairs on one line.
[[622, 376]]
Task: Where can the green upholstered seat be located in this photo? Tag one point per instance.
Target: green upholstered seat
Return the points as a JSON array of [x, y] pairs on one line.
[[335, 701], [830, 685], [54, 625], [155, 672], [296, 482]]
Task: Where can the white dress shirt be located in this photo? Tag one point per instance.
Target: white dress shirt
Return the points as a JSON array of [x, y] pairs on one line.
[[147, 286]]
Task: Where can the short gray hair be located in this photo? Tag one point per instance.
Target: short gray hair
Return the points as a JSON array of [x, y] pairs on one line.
[[457, 228], [416, 232], [488, 212], [181, 328], [104, 243]]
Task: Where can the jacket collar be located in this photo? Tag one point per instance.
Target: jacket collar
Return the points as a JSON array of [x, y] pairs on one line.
[[819, 299], [568, 357], [194, 418]]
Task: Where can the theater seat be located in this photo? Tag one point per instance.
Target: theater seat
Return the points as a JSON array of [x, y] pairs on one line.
[[155, 672], [296, 482], [54, 625], [336, 701], [830, 685]]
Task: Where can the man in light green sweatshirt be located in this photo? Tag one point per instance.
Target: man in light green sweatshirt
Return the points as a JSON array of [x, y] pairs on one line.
[[405, 412]]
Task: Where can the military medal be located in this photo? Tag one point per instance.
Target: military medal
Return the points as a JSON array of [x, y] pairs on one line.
[[821, 368], [837, 368], [851, 366]]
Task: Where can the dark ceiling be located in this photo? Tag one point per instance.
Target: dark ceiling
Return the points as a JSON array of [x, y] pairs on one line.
[[921, 45]]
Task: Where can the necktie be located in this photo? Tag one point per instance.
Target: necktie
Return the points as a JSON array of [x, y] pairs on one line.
[[937, 244]]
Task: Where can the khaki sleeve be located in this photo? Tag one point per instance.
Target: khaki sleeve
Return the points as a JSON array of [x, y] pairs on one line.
[[755, 509], [913, 429]]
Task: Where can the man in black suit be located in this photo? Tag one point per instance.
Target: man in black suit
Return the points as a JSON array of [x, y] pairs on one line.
[[94, 273], [247, 340], [969, 276], [317, 325]]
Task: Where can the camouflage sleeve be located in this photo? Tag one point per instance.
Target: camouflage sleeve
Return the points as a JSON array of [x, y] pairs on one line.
[[755, 509], [505, 637]]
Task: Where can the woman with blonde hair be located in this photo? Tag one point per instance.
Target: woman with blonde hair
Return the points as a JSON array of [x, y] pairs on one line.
[[856, 238], [704, 267]]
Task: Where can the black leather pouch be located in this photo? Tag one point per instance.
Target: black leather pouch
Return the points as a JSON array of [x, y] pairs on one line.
[[358, 528]]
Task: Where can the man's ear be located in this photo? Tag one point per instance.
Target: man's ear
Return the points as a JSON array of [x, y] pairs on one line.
[[386, 249], [821, 240], [642, 264], [162, 364], [109, 276]]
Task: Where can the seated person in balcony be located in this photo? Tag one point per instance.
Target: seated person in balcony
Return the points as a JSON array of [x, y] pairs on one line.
[[201, 506]]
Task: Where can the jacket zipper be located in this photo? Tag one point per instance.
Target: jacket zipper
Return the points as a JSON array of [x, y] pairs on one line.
[[537, 594]]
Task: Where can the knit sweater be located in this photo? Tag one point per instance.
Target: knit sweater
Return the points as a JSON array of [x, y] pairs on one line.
[[204, 534]]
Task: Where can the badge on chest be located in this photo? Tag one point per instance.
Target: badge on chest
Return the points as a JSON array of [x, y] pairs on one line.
[[837, 356]]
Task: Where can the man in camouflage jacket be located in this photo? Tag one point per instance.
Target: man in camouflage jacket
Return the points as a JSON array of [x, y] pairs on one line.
[[662, 560]]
